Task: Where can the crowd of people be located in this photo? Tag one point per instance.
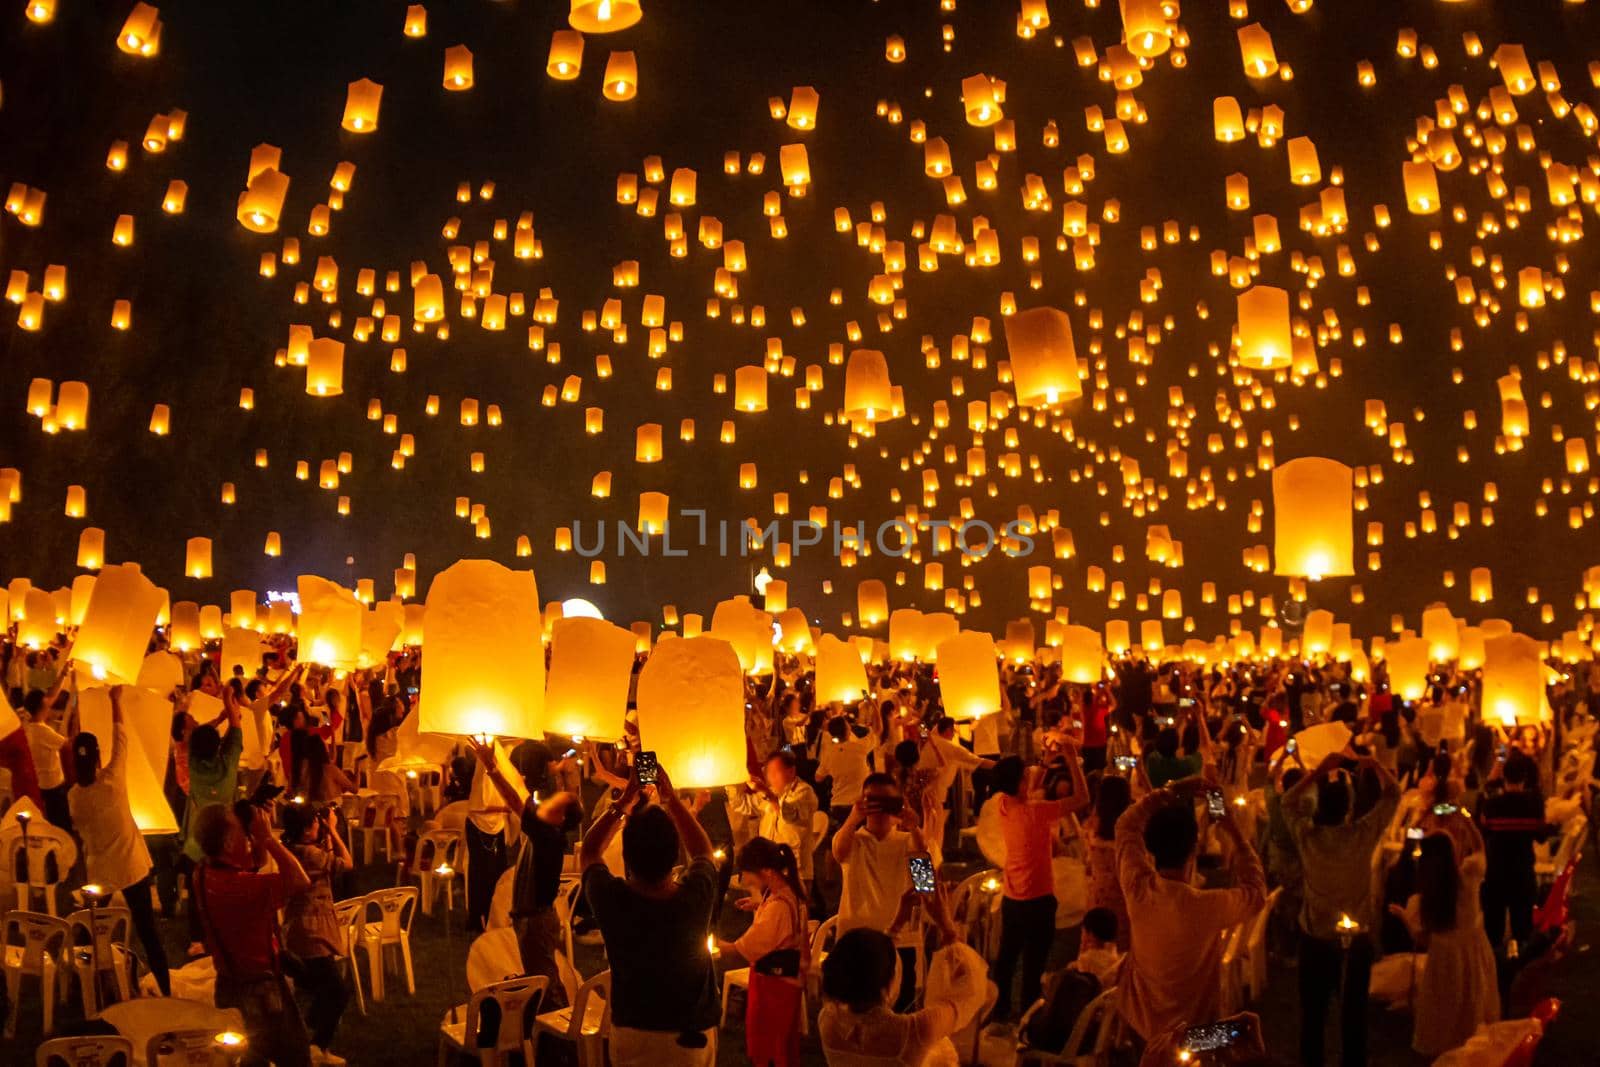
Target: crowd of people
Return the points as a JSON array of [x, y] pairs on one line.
[[923, 876]]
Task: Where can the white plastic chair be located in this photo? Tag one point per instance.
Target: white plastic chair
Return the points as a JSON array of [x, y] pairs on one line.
[[106, 948], [518, 1002], [396, 910], [377, 817], [585, 1021], [352, 916], [433, 848], [566, 903], [101, 1051], [49, 860], [969, 1039], [36, 945], [826, 933]]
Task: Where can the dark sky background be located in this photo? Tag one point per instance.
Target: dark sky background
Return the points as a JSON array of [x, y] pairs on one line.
[[205, 324]]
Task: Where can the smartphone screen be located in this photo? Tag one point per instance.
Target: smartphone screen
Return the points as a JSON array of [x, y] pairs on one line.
[[1414, 833], [1215, 805], [1445, 809], [1213, 1036], [923, 877], [1126, 764], [1291, 746], [645, 765]]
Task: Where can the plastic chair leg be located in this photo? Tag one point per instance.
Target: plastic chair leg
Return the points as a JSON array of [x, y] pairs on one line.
[[405, 954], [374, 953]]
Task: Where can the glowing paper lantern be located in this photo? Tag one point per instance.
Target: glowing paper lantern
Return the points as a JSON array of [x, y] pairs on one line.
[[147, 719], [329, 630], [1082, 657], [690, 700], [1316, 638], [591, 664], [325, 367], [868, 393], [969, 675], [904, 634], [794, 632], [1145, 27], [566, 55], [1422, 187], [1044, 362], [361, 102], [117, 624], [1440, 633], [261, 203], [872, 602], [458, 76], [1513, 680], [483, 671], [980, 100], [1407, 660], [1265, 338], [841, 677], [92, 548], [750, 389], [1312, 518], [748, 629], [622, 76], [603, 16], [197, 557]]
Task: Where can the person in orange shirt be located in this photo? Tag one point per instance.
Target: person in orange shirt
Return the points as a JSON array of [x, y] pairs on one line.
[[1028, 902]]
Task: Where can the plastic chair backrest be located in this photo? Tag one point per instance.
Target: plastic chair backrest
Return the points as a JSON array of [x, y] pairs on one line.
[[112, 925], [397, 909], [1095, 1015], [517, 1001], [570, 978], [597, 987], [38, 934], [99, 1051], [825, 933], [182, 1048], [350, 914], [819, 826], [46, 867], [567, 901]]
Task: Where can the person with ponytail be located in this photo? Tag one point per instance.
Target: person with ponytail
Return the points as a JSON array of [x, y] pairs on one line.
[[1458, 990], [777, 947]]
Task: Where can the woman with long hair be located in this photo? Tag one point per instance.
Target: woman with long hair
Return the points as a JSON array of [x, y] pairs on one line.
[[1111, 799], [1458, 990], [311, 930], [776, 947]]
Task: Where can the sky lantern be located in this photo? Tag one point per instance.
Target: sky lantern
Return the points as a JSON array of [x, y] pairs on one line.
[[458, 75], [1422, 187], [969, 675], [840, 676], [243, 607], [603, 16], [1312, 518], [868, 393], [690, 700], [1513, 680], [1316, 637], [1256, 51], [92, 548], [361, 106], [197, 557], [566, 55], [981, 99], [802, 112], [329, 629], [148, 736], [622, 76], [1082, 655], [261, 203], [325, 367], [904, 638], [484, 669], [1044, 362], [872, 603], [1145, 27], [116, 626], [750, 389], [1512, 60], [591, 665], [141, 31], [795, 165], [1440, 632], [1265, 336], [416, 24], [748, 629], [1407, 659]]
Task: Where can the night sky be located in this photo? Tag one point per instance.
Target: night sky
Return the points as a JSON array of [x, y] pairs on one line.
[[205, 324]]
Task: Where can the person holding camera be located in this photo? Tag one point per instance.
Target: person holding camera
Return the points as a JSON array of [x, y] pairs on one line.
[[874, 846], [664, 1003], [237, 904], [312, 934]]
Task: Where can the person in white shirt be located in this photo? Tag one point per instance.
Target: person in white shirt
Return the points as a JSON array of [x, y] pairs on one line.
[[874, 846], [953, 758], [843, 760], [45, 745], [783, 805], [114, 851]]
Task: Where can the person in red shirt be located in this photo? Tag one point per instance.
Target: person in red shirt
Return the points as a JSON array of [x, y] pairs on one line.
[[1028, 903], [238, 904]]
